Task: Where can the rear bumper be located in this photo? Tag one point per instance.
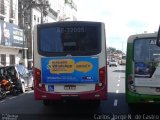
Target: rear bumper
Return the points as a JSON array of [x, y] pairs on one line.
[[91, 95], [138, 98]]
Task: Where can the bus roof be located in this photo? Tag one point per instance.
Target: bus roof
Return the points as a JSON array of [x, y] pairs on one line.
[[133, 37], [68, 23]]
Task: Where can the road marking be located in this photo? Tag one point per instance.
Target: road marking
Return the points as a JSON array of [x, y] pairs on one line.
[[29, 91], [119, 76], [115, 102], [119, 80], [117, 85], [12, 97], [2, 101], [117, 91], [21, 94]]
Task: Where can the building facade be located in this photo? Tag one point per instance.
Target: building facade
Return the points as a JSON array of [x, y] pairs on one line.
[[17, 19], [66, 9], [42, 11], [11, 36]]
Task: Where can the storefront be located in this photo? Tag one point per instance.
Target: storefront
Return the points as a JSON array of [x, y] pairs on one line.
[[12, 44]]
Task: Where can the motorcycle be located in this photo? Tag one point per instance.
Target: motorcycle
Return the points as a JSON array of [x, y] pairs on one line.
[[8, 86], [2, 93]]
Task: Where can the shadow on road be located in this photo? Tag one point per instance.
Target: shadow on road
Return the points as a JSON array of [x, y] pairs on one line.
[[106, 107], [85, 110], [145, 108], [71, 110]]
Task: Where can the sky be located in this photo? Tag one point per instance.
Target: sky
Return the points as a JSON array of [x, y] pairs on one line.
[[122, 18]]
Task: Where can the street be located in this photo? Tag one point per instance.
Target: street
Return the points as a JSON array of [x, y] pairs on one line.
[[24, 106]]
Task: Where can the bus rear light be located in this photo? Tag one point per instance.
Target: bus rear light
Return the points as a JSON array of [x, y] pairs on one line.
[[100, 84], [40, 85], [130, 82], [102, 78], [43, 87], [101, 72], [38, 73], [37, 79], [131, 86], [130, 78]]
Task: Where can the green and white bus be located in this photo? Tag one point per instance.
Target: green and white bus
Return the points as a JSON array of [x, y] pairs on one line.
[[142, 69]]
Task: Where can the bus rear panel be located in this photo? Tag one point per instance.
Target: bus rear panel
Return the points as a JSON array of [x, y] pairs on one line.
[[143, 69], [70, 61]]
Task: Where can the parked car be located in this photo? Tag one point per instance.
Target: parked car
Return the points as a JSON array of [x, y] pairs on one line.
[[18, 74], [30, 71], [113, 63]]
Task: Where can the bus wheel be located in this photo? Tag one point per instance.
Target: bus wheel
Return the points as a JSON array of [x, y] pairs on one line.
[[132, 106], [95, 103], [46, 102]]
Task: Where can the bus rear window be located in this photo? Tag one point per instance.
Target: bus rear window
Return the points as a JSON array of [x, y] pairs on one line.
[[69, 39], [146, 50]]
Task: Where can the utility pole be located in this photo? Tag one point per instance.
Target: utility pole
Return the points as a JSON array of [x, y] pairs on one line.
[[122, 47], [26, 13]]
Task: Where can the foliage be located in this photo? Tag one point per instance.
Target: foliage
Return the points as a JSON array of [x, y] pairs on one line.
[[113, 50]]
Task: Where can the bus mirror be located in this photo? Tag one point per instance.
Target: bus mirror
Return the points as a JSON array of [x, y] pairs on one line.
[[158, 37]]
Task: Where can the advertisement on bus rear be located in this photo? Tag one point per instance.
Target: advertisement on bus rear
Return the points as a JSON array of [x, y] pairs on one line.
[[147, 74], [70, 70]]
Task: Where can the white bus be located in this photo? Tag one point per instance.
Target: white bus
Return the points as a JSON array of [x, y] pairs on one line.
[[70, 61], [142, 69]]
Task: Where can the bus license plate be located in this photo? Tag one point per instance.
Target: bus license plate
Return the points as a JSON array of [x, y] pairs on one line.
[[70, 87]]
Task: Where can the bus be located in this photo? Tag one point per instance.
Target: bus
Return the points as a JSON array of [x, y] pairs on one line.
[[70, 61], [142, 69]]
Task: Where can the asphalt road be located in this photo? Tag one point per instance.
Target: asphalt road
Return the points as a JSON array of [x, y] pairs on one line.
[[24, 107]]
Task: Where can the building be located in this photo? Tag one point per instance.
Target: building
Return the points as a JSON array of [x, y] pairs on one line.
[[16, 28], [66, 9], [34, 12], [11, 36]]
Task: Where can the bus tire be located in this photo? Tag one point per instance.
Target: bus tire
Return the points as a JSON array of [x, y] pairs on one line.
[[46, 102], [95, 103], [132, 106]]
